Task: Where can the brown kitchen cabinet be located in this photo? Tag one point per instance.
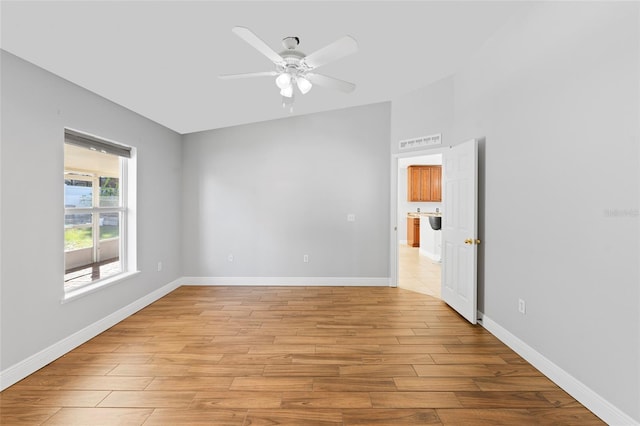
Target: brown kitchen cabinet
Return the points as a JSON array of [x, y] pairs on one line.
[[413, 231], [424, 183]]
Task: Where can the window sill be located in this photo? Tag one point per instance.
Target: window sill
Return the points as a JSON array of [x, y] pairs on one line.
[[98, 285]]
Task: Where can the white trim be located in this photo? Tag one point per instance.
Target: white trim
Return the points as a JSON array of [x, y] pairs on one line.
[[22, 369], [96, 285], [586, 396], [574, 387], [125, 165], [36, 361], [393, 226], [288, 281], [91, 210], [431, 256], [129, 227]]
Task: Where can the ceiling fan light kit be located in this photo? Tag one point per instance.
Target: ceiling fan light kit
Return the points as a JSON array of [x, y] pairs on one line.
[[304, 85], [293, 66], [287, 92], [283, 80]]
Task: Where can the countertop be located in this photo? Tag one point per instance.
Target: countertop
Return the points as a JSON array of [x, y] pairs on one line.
[[423, 214]]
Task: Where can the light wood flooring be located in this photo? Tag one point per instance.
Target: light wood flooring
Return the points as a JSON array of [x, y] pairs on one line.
[[418, 273], [291, 356]]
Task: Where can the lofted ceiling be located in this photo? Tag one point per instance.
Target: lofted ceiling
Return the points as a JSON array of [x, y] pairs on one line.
[[161, 59]]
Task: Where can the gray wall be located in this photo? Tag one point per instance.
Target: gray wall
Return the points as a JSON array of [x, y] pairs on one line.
[[423, 112], [555, 94], [36, 106], [270, 192], [428, 111]]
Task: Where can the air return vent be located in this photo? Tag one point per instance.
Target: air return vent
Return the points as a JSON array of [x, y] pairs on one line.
[[421, 142]]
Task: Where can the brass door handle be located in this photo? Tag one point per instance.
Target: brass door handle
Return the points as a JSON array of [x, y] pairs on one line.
[[470, 241]]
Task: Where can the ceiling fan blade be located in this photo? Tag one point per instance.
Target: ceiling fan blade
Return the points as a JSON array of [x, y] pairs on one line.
[[330, 82], [247, 35], [248, 75], [336, 50]]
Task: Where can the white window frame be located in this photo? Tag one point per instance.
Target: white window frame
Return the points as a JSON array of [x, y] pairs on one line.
[[95, 211], [127, 210]]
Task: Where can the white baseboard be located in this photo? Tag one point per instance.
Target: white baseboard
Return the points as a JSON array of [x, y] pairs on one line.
[[582, 393], [289, 281], [22, 369], [586, 396], [432, 256]]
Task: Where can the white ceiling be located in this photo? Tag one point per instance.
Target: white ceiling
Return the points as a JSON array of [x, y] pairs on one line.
[[161, 59]]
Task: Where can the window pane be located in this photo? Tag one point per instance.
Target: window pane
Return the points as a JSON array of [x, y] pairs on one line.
[[78, 246], [83, 265], [77, 193], [109, 226], [92, 238], [109, 192], [109, 257], [78, 232]]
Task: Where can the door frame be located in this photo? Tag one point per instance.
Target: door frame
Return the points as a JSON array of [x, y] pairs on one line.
[[393, 229]]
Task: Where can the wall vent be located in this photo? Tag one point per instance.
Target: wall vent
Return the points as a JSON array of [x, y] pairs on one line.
[[421, 141]]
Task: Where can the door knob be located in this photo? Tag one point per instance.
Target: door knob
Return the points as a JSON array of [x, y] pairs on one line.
[[471, 241]]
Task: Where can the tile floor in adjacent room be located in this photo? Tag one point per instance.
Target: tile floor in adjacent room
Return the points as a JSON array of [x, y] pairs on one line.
[[418, 273]]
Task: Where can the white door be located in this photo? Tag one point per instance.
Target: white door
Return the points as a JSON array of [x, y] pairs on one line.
[[460, 229]]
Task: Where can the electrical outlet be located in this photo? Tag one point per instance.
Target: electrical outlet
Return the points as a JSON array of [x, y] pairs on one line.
[[522, 307], [230, 258], [351, 217], [159, 266], [305, 258]]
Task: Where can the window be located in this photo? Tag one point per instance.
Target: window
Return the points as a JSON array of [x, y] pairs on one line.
[[96, 213]]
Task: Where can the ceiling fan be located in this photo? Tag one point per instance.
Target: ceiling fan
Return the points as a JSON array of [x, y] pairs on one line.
[[293, 66]]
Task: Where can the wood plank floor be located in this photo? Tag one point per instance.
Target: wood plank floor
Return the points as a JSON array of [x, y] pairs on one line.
[[291, 356]]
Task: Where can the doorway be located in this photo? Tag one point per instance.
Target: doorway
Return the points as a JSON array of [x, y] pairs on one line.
[[417, 257], [418, 273]]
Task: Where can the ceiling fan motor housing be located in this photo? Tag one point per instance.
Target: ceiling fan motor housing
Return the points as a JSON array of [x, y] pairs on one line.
[[293, 62]]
